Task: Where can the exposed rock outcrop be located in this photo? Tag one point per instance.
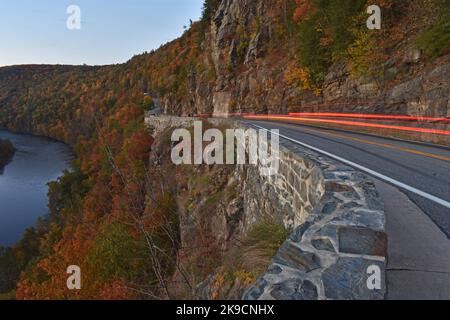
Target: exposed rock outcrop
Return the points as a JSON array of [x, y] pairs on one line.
[[249, 58]]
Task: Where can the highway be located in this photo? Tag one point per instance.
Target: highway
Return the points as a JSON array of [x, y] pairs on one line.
[[420, 166], [414, 181]]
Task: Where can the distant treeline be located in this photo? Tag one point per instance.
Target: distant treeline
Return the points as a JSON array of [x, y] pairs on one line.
[[7, 151]]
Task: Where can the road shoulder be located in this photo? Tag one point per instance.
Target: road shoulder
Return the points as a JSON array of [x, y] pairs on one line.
[[418, 251]]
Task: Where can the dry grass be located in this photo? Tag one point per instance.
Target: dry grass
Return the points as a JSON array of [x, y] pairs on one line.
[[245, 263]]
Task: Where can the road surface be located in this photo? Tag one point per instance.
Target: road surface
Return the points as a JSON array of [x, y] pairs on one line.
[[414, 181]]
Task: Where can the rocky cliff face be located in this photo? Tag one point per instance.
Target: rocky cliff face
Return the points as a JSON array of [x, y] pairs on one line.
[[410, 87], [249, 47], [248, 70]]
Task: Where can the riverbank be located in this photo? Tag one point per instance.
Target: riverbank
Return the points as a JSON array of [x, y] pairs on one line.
[[7, 151]]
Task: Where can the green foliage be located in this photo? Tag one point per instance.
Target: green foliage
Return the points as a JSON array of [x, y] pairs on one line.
[[209, 8], [436, 40], [148, 103], [115, 253], [325, 34], [15, 260], [242, 38], [242, 49], [313, 57], [8, 296], [9, 269], [340, 18], [267, 235], [66, 196], [365, 56]]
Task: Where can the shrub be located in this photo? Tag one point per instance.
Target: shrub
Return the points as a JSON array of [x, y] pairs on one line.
[[435, 41], [313, 57], [258, 248], [208, 10], [365, 56], [325, 33], [116, 253], [246, 262]]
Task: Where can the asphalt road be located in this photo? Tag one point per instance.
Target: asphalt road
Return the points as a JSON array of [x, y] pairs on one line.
[[423, 167]]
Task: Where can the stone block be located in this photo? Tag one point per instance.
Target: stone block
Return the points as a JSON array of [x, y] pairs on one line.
[[347, 280], [362, 241], [294, 289], [323, 244], [297, 235], [292, 256]]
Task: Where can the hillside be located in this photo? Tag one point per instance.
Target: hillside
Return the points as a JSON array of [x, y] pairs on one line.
[[255, 56], [262, 56]]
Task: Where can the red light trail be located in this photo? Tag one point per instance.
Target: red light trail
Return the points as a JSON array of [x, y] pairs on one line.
[[348, 123], [369, 116]]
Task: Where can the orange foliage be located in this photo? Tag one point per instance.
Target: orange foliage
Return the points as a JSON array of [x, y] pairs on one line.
[[303, 8]]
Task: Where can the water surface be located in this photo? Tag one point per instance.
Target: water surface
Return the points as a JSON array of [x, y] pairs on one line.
[[23, 182]]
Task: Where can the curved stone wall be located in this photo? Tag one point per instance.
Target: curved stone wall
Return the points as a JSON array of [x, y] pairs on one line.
[[338, 246]]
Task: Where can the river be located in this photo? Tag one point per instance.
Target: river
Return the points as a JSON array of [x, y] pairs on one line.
[[23, 182]]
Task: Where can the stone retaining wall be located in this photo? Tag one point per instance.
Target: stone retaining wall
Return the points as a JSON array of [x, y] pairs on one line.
[[335, 215], [340, 236]]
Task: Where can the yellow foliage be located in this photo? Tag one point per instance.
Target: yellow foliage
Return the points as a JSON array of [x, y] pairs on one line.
[[299, 77], [246, 277], [365, 56]]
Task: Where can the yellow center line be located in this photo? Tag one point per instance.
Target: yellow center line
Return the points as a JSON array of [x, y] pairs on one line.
[[389, 146]]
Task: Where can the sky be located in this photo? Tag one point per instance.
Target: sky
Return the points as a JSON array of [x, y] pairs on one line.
[[112, 31]]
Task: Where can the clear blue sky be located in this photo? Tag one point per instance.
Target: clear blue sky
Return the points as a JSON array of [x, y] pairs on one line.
[[112, 31]]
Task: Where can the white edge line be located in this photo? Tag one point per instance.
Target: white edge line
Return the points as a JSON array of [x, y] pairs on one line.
[[366, 170]]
